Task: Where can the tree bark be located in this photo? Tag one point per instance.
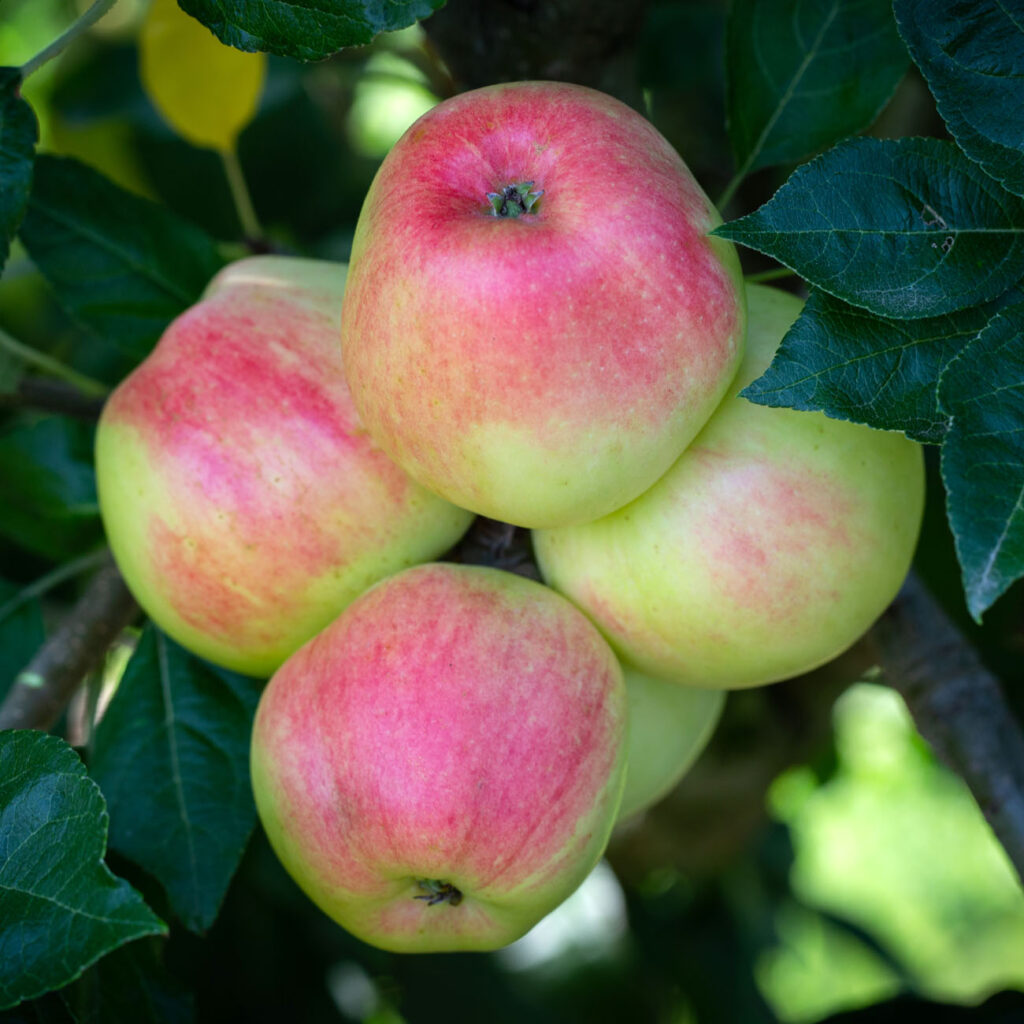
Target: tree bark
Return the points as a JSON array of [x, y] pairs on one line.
[[42, 690], [488, 41]]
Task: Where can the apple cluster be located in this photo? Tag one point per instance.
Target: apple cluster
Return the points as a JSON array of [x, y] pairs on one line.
[[535, 326]]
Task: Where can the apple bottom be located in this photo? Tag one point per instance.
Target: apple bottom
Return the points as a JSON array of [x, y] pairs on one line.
[[423, 907], [412, 911], [669, 727], [441, 766]]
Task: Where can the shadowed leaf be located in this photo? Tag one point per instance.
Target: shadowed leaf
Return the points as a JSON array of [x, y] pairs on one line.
[[172, 758], [971, 53], [982, 390], [802, 75], [906, 228]]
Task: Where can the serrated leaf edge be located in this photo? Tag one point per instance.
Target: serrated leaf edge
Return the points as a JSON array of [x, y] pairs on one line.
[[104, 820]]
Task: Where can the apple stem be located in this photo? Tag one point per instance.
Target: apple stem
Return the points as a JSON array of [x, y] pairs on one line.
[[514, 200], [437, 891]]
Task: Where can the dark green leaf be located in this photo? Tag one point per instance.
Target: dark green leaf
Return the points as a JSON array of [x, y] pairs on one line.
[[802, 74], [172, 757], [18, 136], [61, 909], [47, 486], [906, 228], [48, 1009], [971, 53], [21, 633], [982, 390], [853, 365], [121, 266], [305, 29], [11, 370], [129, 986]]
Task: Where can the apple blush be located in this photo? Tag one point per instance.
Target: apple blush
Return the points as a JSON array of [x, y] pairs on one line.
[[442, 765], [537, 322], [243, 500]]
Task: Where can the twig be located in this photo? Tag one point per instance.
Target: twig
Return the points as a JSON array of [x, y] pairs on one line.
[[50, 395], [769, 275], [496, 545], [86, 21], [42, 690], [730, 189], [958, 707], [246, 212], [27, 354], [486, 41], [67, 571]]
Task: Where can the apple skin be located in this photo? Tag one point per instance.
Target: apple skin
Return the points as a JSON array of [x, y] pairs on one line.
[[669, 726], [548, 368], [771, 545], [244, 502], [456, 725]]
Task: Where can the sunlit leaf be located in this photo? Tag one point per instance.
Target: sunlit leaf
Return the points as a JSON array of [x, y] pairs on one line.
[[982, 390], [971, 53], [61, 908], [803, 74], [306, 29], [905, 228], [172, 758], [207, 91]]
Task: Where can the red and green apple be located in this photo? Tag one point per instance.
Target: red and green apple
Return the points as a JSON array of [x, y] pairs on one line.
[[243, 500], [536, 322], [442, 765], [771, 545]]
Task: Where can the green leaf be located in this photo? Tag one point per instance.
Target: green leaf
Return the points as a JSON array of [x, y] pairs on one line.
[[61, 908], [853, 365], [121, 266], [11, 372], [905, 228], [172, 758], [305, 29], [129, 986], [802, 74], [47, 486], [18, 136], [982, 390], [971, 53], [21, 633]]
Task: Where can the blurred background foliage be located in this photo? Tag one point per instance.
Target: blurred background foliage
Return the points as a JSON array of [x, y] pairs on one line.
[[817, 859]]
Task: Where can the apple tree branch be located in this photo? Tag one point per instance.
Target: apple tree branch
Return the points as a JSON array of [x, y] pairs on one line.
[[43, 688], [958, 707]]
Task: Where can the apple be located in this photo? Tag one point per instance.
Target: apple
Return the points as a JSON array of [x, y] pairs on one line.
[[441, 766], [771, 545], [669, 726], [244, 502], [536, 322]]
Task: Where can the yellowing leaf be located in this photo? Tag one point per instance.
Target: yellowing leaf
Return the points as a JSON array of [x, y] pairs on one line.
[[208, 92]]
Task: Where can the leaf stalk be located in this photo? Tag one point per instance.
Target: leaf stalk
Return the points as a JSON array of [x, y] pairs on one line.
[[83, 24]]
